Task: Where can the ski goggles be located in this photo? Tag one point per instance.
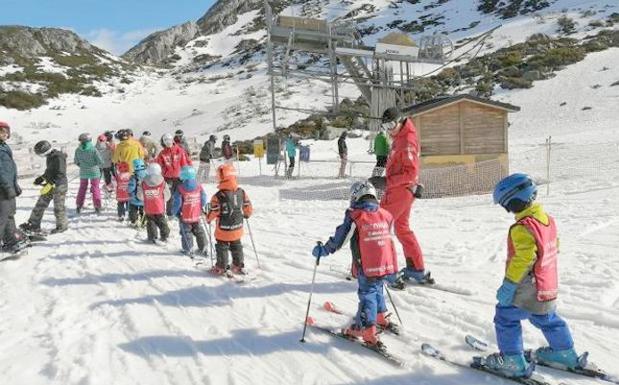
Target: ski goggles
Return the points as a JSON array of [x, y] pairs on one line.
[[388, 126]]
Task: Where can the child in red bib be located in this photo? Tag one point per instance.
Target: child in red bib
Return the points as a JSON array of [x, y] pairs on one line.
[[155, 192]]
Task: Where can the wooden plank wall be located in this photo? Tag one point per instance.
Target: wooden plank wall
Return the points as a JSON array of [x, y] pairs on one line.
[[439, 131], [484, 129]]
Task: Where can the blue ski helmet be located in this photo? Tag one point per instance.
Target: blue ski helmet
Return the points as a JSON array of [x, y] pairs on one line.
[[187, 173], [138, 165], [516, 190]]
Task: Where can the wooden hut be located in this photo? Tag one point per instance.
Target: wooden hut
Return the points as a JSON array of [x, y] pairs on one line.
[[465, 131]]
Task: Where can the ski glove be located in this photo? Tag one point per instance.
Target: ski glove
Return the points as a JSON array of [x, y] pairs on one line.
[[505, 294], [39, 181], [320, 251]]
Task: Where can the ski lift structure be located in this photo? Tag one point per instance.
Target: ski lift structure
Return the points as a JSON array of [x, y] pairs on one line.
[[371, 69]]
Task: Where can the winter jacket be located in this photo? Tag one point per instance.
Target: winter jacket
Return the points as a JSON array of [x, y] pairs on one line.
[[105, 152], [208, 151], [226, 149], [291, 148], [56, 168], [381, 145], [342, 148], [8, 173], [189, 185], [134, 183], [150, 147], [182, 143], [127, 151], [402, 169], [172, 159], [88, 160], [520, 266], [153, 181], [214, 213]]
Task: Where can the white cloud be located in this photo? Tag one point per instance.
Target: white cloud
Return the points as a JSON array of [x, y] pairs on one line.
[[117, 42]]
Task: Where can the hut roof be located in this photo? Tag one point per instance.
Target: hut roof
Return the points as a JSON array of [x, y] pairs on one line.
[[398, 38], [428, 105]]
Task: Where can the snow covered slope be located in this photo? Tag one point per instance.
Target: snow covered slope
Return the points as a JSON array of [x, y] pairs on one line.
[[96, 305]]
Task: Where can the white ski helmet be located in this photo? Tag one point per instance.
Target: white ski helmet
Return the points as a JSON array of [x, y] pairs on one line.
[[153, 169], [361, 189], [167, 140]]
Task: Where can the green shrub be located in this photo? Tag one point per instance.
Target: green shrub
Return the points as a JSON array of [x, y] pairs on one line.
[[20, 100], [566, 25], [511, 58], [558, 57]]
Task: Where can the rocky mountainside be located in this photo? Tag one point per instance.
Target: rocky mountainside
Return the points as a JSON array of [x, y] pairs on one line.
[[41, 63], [156, 48]]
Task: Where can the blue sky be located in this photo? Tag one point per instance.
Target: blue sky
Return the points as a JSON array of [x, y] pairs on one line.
[[113, 25]]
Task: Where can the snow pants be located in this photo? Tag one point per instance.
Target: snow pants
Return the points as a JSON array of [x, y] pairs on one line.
[[290, 166], [135, 213], [7, 221], [58, 195], [108, 173], [122, 208], [223, 248], [371, 299], [399, 202], [94, 190], [509, 330], [154, 222], [188, 231], [343, 162], [173, 183]]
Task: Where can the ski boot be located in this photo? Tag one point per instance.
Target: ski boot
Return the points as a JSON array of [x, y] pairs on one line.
[[28, 228], [218, 270], [59, 230], [514, 366], [240, 270], [78, 210], [384, 323], [560, 359], [369, 335], [16, 247], [97, 210]]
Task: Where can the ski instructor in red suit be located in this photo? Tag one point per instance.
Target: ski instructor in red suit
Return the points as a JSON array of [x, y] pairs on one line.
[[402, 178]]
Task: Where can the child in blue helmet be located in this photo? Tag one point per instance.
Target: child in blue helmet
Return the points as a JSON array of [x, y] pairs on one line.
[[136, 206], [530, 285], [189, 201]]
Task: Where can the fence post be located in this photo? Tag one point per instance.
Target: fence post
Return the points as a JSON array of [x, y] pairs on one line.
[[548, 149]]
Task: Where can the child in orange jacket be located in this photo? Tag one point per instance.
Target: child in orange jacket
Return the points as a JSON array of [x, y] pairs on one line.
[[229, 206]]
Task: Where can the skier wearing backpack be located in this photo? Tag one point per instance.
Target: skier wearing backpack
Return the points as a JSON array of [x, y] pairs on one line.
[[207, 153], [374, 259], [530, 285], [106, 151], [89, 162], [54, 184], [228, 207], [154, 192], [189, 202], [123, 176], [136, 205]]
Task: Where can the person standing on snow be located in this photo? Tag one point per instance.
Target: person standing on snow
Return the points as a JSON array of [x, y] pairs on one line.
[[123, 176], [127, 150], [181, 141], [89, 162], [342, 150], [150, 146], [207, 153], [381, 151], [189, 202], [172, 159], [226, 149], [530, 285], [402, 178], [228, 207], [136, 205], [291, 151], [154, 192], [106, 152], [55, 186], [374, 259], [9, 190]]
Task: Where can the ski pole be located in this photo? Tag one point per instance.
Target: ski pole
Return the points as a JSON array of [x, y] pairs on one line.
[[251, 236], [207, 226], [309, 301], [393, 304]]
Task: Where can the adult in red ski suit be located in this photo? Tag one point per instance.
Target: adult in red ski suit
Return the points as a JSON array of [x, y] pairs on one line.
[[402, 177]]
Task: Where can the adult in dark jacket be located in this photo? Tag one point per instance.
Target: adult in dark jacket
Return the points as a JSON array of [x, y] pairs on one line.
[[55, 185], [179, 139], [342, 150], [206, 154], [9, 189], [226, 149]]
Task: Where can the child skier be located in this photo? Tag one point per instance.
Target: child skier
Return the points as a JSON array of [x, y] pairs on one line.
[[189, 201], [136, 206], [229, 206], [55, 185], [530, 285], [154, 192], [89, 162], [374, 259], [123, 176]]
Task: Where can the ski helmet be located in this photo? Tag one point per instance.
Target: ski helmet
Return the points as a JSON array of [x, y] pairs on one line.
[[42, 148], [85, 137], [129, 131], [146, 133], [360, 189], [153, 169], [188, 173], [515, 192], [390, 118], [179, 133], [225, 172], [122, 167], [167, 140], [5, 126], [226, 137], [109, 135], [138, 165], [102, 138], [212, 138]]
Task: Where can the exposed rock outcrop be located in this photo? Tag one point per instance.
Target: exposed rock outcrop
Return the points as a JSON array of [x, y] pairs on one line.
[[156, 47]]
